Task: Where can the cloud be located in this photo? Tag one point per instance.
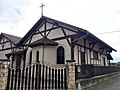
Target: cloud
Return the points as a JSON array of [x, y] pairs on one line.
[[12, 13], [96, 16]]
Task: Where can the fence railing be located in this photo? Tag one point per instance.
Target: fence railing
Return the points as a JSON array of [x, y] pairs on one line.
[[37, 77], [87, 71]]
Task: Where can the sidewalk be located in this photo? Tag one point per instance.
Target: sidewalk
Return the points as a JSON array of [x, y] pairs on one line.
[[111, 84]]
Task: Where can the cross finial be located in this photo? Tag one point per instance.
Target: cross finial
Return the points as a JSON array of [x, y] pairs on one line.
[[42, 5]]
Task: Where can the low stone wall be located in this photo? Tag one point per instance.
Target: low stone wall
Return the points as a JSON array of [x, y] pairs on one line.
[[85, 83], [3, 73]]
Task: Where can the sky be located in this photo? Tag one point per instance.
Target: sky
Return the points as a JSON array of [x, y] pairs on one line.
[[100, 17]]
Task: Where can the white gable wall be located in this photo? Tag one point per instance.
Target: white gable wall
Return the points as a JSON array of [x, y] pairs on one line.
[[55, 33], [7, 45], [36, 37], [6, 49], [2, 54], [67, 48], [49, 26], [68, 32], [50, 51]]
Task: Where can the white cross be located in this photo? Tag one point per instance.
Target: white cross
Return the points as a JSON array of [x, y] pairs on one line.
[[42, 5]]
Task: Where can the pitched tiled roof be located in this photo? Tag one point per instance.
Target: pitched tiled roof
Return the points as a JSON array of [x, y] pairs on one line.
[[13, 39], [17, 52]]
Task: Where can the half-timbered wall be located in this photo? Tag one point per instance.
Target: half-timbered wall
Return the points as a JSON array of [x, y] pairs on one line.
[[89, 57], [5, 47], [50, 51], [2, 54], [62, 35]]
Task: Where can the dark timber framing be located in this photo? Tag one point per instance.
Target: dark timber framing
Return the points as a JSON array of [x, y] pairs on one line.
[[65, 36], [30, 76], [77, 34]]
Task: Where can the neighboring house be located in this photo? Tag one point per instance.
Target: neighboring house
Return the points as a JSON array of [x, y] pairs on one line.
[[7, 44], [53, 42]]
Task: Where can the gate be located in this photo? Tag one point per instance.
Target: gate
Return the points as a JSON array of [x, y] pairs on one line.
[[37, 77]]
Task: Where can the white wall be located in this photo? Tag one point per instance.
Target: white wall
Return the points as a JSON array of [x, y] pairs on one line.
[[78, 49], [2, 54], [50, 52], [57, 33], [6, 46]]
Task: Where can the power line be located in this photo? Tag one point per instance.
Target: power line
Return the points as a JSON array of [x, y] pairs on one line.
[[109, 32]]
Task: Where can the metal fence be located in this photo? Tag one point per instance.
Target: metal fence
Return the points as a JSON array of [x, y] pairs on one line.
[[36, 77], [87, 71]]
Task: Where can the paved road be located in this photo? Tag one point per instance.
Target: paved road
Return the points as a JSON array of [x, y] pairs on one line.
[[111, 84]]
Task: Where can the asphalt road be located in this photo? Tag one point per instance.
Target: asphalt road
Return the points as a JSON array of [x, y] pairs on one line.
[[111, 84]]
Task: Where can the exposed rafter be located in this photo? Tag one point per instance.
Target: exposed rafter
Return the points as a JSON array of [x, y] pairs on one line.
[[102, 50], [52, 28], [60, 38], [66, 36], [30, 39], [32, 32], [63, 27], [45, 30], [39, 33], [92, 46]]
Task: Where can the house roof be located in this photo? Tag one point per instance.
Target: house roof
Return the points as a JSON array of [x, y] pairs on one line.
[[43, 41], [64, 25], [13, 39], [109, 57], [17, 52], [7, 60], [102, 43], [42, 19]]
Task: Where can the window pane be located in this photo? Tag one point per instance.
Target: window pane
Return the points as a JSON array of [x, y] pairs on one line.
[[60, 55], [95, 55]]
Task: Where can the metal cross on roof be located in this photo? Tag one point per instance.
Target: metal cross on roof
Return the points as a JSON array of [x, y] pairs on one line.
[[42, 5]]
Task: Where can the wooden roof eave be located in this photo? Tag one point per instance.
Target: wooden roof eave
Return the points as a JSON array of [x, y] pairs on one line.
[[64, 25], [95, 39], [3, 34], [43, 41], [102, 42], [29, 33], [17, 52]]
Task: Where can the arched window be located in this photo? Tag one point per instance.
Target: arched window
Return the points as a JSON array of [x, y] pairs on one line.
[[30, 57], [37, 56], [60, 55]]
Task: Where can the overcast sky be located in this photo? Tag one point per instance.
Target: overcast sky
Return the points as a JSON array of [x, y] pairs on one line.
[[97, 16]]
